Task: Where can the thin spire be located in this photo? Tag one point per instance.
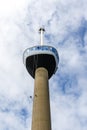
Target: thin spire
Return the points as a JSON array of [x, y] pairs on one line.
[[41, 31]]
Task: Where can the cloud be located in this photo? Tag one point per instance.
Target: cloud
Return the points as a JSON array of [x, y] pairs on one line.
[[66, 28]]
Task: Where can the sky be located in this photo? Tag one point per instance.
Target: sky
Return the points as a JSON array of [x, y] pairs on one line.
[[65, 22]]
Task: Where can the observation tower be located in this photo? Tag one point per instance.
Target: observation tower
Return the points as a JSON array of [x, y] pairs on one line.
[[41, 62]]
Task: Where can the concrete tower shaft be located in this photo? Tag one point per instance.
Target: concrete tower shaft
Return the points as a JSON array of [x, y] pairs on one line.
[[41, 62], [41, 106]]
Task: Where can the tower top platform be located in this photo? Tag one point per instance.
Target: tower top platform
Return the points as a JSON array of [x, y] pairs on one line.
[[41, 56]]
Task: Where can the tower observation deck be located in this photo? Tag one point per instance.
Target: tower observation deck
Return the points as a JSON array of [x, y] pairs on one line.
[[41, 62]]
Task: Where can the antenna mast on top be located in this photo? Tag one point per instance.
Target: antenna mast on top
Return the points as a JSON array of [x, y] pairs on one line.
[[41, 31]]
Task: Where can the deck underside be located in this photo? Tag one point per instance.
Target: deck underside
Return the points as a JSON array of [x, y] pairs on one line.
[[41, 60]]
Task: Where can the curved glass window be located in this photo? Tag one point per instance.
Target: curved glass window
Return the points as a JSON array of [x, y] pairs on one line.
[[42, 48]]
